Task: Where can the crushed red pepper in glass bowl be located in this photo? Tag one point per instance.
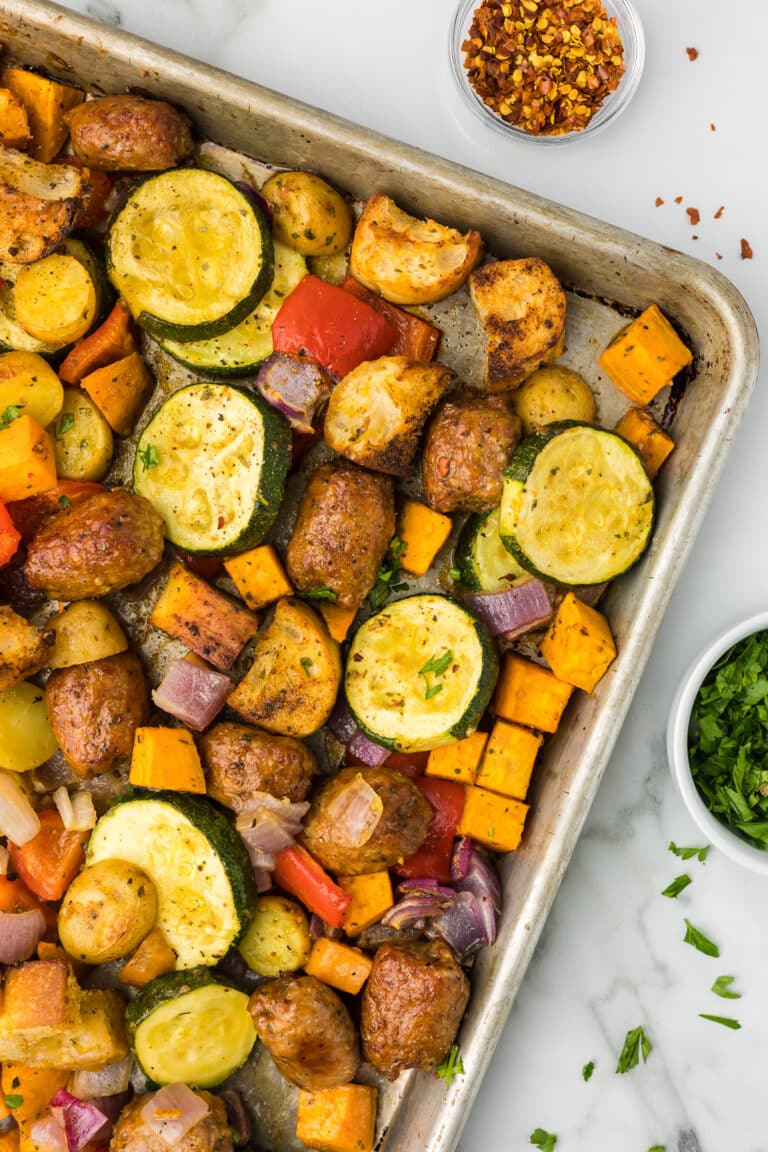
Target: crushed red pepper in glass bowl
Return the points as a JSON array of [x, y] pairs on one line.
[[549, 70]]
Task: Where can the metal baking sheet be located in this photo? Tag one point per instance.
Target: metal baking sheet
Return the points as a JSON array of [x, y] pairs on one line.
[[599, 263]]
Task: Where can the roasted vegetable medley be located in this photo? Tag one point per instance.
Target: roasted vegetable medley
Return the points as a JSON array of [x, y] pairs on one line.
[[287, 613]]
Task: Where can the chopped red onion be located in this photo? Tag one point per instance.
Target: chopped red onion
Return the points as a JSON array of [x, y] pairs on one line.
[[589, 593], [171, 1112], [462, 925], [319, 928], [341, 723], [297, 387], [48, 1135], [269, 826], [256, 197], [82, 1119], [20, 934], [18, 819], [422, 902], [366, 751], [237, 1116], [513, 611], [263, 878], [427, 884], [108, 1081], [356, 811], [473, 872], [192, 694]]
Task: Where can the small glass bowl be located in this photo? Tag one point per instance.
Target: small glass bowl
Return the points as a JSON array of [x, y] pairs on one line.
[[730, 842], [633, 39]]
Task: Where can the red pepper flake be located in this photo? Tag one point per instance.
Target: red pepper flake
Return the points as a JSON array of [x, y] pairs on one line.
[[659, 201], [693, 53], [746, 250], [694, 237], [719, 256], [712, 128], [693, 215], [678, 199], [720, 211]]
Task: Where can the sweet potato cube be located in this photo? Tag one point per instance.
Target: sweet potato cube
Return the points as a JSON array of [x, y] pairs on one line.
[[370, 897], [35, 996], [27, 461], [119, 390], [646, 356], [509, 759], [530, 695], [578, 646], [338, 619], [339, 965], [47, 102], [337, 1119], [423, 533], [649, 441], [166, 758], [206, 620], [259, 576], [458, 761], [112, 340], [493, 820], [34, 1088], [10, 1141], [153, 957], [14, 122]]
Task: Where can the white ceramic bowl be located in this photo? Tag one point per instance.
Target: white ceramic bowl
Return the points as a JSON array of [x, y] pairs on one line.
[[730, 843]]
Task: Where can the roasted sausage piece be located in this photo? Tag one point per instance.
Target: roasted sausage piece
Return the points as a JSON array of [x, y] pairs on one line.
[[331, 833], [307, 1031], [105, 542], [210, 1134], [344, 527], [413, 1002], [241, 760], [468, 444], [129, 133], [94, 710]]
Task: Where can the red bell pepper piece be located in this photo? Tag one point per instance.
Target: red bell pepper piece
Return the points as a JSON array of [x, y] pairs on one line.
[[30, 514], [10, 537], [301, 875], [434, 856], [209, 567], [409, 763], [49, 862], [415, 338], [330, 325], [16, 897]]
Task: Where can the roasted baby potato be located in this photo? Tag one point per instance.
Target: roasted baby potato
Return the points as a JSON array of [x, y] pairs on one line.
[[407, 260], [39, 205], [129, 133], [552, 394], [82, 439], [277, 939], [106, 911], [308, 214], [521, 304], [85, 631], [28, 382], [291, 686], [376, 413], [24, 648], [26, 737]]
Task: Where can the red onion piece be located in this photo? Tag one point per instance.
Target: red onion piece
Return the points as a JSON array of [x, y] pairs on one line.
[[297, 388], [237, 1116], [318, 928], [269, 826], [341, 723], [513, 611], [82, 1119], [108, 1081], [48, 1135], [418, 906], [463, 925], [171, 1112], [428, 885], [192, 694], [18, 819], [20, 934], [589, 593], [256, 197], [366, 751], [263, 878], [356, 811], [473, 870]]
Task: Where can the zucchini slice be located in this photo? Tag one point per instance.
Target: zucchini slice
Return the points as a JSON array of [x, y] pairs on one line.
[[213, 462], [577, 504], [190, 1027], [245, 347], [197, 862], [420, 673], [481, 558], [190, 253]]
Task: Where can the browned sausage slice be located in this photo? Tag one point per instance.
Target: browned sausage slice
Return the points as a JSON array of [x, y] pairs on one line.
[[307, 1031], [468, 444], [241, 760], [129, 133]]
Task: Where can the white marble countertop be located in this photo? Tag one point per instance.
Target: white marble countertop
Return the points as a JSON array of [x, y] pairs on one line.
[[612, 955]]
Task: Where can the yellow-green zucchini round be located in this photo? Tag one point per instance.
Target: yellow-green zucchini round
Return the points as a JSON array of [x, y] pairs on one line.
[[190, 253], [484, 563], [213, 462], [190, 1028], [420, 673], [577, 505]]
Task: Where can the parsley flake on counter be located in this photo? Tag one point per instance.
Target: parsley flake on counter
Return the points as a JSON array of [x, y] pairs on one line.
[[636, 1044], [689, 853], [674, 889], [149, 457], [452, 1066], [699, 941], [587, 1071], [726, 1021], [722, 987], [658, 1148], [544, 1140]]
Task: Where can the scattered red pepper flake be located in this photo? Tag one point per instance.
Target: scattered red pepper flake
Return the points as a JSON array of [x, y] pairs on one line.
[[719, 255], [746, 250], [678, 199], [719, 212], [693, 53], [694, 237], [712, 128], [693, 215], [659, 201]]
